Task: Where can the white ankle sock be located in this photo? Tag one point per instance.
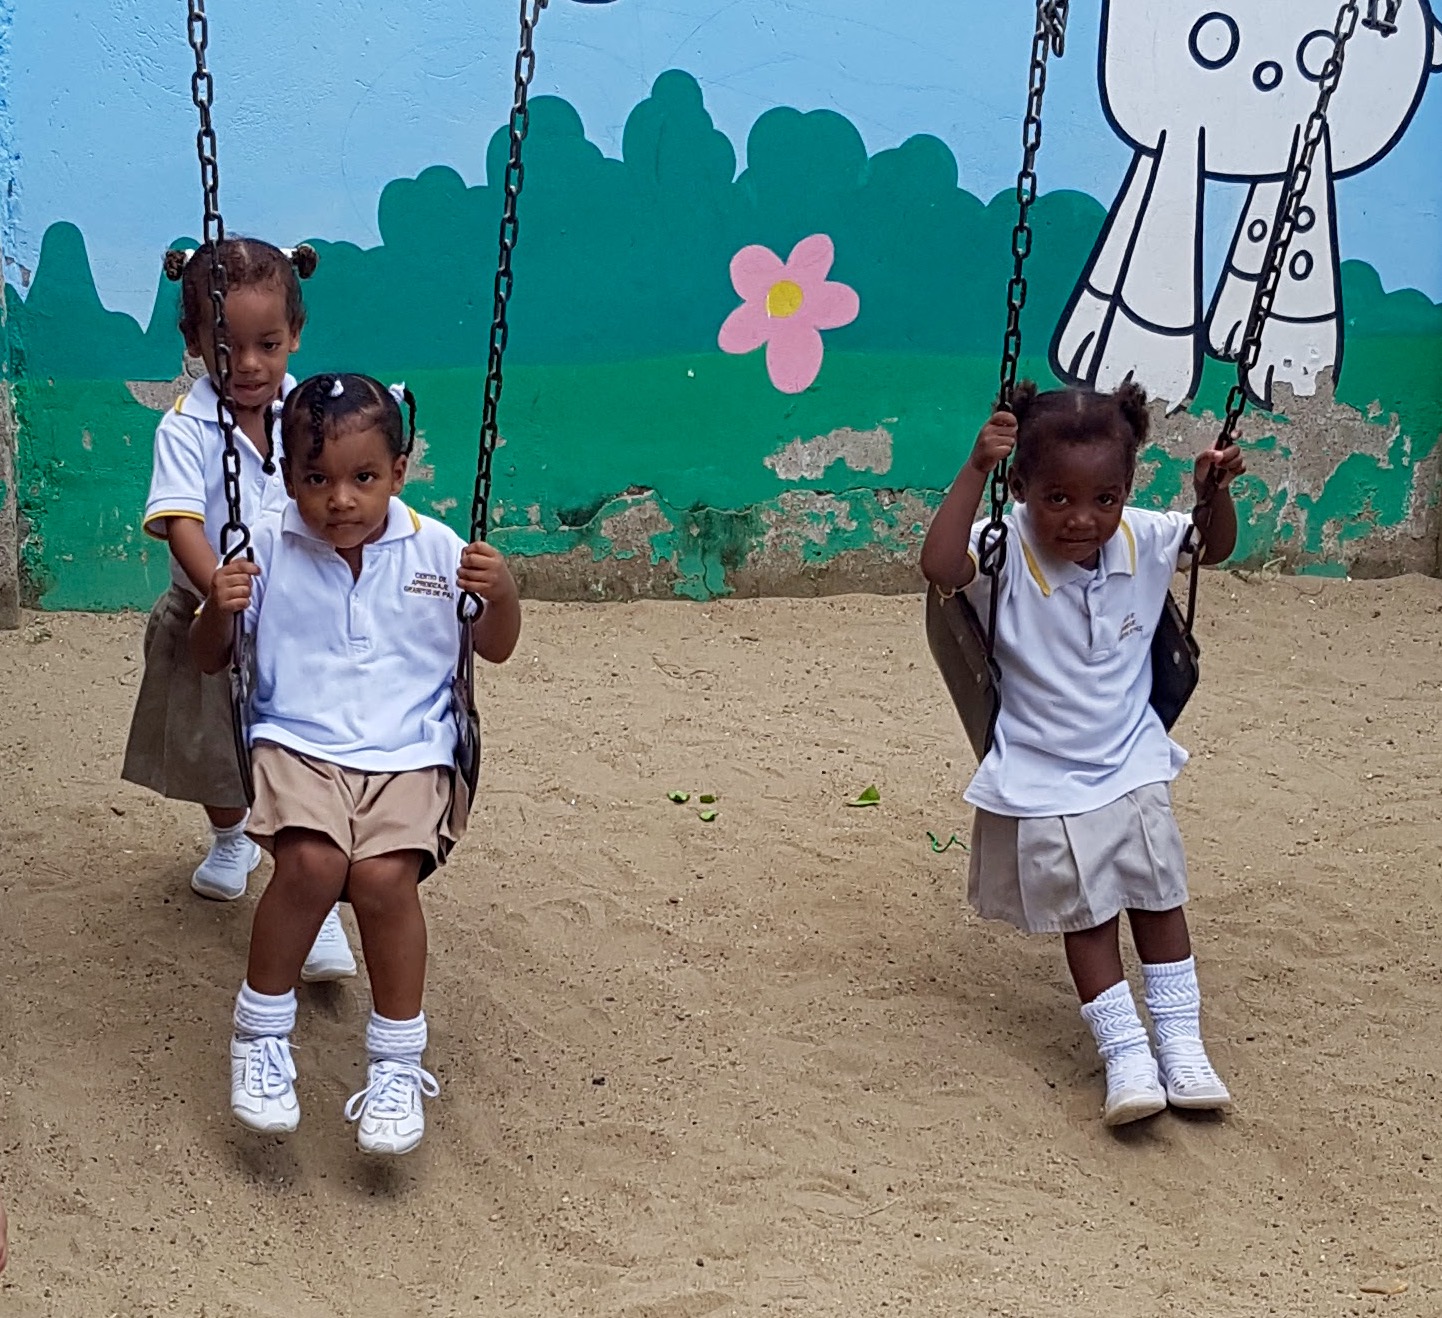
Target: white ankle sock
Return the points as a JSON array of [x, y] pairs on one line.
[[235, 830], [396, 1041], [1115, 1024], [1174, 1002], [260, 1014]]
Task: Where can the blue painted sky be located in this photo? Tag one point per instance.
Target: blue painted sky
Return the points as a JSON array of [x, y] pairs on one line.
[[319, 106]]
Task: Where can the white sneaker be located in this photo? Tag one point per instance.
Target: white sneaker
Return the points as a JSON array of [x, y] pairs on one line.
[[223, 874], [1134, 1089], [262, 1084], [330, 957], [392, 1118], [1190, 1079]]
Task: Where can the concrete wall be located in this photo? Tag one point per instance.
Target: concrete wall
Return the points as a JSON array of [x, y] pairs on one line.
[[684, 414]]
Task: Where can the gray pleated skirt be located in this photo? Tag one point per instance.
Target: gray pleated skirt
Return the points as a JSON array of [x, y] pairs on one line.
[[180, 742], [1066, 873]]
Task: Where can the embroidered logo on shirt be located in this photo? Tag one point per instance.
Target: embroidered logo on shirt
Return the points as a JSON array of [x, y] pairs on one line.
[[429, 583], [1131, 627]]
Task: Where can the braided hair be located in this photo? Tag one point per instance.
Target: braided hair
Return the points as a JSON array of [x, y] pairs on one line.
[[248, 263], [1045, 420], [327, 405]]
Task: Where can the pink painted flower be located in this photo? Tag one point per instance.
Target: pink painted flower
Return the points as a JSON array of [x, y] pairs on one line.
[[786, 305]]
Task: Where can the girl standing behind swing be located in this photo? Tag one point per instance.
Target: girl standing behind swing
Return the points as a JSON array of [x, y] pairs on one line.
[[1073, 820], [352, 604], [181, 744]]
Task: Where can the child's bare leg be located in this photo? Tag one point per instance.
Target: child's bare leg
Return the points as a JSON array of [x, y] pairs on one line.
[[1161, 936], [1133, 1089], [1174, 1002], [1094, 958], [386, 897], [310, 874], [222, 817]]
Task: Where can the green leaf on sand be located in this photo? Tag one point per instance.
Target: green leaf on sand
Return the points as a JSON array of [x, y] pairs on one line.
[[707, 798], [707, 816], [869, 797], [680, 798]]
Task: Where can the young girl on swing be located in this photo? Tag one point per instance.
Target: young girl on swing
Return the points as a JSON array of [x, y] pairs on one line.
[[1073, 819], [180, 743], [351, 600]]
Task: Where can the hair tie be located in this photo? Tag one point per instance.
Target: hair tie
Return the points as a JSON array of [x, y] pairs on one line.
[[338, 388], [398, 392]]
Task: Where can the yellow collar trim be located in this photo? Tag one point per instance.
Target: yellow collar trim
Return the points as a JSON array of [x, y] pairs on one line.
[[1034, 568], [1131, 544]]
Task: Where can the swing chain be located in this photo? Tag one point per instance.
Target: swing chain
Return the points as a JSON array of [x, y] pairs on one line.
[[234, 537], [1048, 38], [515, 177], [1269, 279], [1056, 16], [1285, 227]]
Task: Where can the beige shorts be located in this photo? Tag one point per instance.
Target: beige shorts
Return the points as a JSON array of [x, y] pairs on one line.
[[364, 814]]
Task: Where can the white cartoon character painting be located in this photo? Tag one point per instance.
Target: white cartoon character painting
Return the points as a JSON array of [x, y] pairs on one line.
[[1218, 90]]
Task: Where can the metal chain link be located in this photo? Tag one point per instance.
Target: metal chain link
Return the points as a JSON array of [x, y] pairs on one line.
[[234, 535], [1384, 22], [1274, 260], [1284, 229], [1049, 38], [520, 124]]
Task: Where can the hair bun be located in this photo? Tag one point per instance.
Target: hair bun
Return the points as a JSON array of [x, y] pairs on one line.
[[1022, 397], [1132, 400], [174, 264], [305, 259]]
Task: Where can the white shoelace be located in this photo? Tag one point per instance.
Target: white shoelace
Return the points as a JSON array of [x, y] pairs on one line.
[[332, 931], [230, 850], [1132, 1071], [391, 1093], [270, 1069]]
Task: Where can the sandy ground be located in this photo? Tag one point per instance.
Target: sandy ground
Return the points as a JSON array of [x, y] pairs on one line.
[[767, 1065]]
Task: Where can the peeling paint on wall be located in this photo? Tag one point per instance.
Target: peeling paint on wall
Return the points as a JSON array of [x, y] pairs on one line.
[[809, 460]]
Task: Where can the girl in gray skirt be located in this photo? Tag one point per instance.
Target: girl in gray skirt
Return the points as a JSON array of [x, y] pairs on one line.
[[1073, 818], [180, 742]]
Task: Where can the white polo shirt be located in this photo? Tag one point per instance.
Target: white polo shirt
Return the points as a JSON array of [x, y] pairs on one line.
[[188, 479], [357, 670], [1076, 730]]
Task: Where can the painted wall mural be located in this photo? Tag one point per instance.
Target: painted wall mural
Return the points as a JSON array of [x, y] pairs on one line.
[[759, 300], [1201, 93]]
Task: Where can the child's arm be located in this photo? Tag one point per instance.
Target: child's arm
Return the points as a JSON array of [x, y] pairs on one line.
[[945, 555], [213, 630], [484, 572], [1215, 471], [191, 549]]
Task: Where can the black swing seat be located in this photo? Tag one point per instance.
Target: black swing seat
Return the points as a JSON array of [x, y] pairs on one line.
[[1176, 664], [242, 688], [466, 773], [958, 645], [957, 640]]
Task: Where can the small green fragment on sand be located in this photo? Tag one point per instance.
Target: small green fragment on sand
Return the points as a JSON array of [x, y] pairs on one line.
[[707, 816], [680, 798], [869, 797], [707, 798]]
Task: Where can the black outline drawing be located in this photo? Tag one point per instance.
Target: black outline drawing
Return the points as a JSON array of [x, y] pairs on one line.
[[1102, 330]]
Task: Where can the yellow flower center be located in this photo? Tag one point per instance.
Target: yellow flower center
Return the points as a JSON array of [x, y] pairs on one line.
[[784, 300]]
